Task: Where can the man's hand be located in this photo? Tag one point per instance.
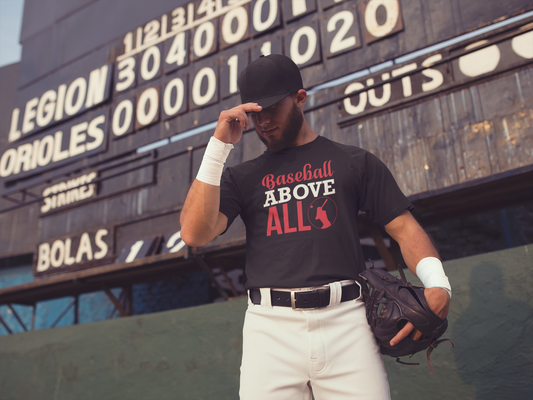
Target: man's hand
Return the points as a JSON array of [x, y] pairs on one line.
[[438, 300], [231, 123]]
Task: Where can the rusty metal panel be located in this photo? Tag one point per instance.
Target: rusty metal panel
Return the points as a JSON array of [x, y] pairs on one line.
[[8, 83], [18, 231], [441, 168], [514, 139]]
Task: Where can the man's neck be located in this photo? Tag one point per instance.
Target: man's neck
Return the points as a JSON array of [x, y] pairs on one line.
[[307, 135]]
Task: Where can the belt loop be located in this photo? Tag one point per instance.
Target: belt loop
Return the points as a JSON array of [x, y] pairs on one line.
[[266, 301], [360, 291], [335, 294]]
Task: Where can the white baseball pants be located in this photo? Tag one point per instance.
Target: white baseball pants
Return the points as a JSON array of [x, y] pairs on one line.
[[330, 351]]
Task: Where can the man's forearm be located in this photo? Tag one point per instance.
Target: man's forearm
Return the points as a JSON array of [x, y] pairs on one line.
[[200, 214], [416, 246], [414, 242], [418, 251]]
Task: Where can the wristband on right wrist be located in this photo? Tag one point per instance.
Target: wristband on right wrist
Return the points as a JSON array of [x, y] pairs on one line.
[[431, 273], [212, 165]]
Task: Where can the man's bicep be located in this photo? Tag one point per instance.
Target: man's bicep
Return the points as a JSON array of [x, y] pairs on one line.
[[400, 225]]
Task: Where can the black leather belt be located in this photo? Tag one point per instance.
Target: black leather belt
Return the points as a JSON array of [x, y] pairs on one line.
[[305, 299]]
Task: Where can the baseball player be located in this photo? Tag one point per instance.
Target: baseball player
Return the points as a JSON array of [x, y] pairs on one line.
[[305, 330]]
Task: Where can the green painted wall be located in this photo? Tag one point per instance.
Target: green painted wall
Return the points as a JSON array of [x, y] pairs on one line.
[[194, 353], [491, 324]]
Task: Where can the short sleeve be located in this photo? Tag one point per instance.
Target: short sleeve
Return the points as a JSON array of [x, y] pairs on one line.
[[230, 201], [380, 196]]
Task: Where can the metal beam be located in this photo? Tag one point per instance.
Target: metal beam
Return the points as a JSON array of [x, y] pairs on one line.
[[72, 302], [121, 301], [200, 260], [115, 301], [5, 325], [226, 277], [33, 314], [17, 317]]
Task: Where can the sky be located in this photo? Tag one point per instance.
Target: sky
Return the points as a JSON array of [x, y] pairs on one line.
[[10, 24]]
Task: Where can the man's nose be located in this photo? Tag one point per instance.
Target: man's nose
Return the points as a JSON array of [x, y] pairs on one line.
[[262, 118]]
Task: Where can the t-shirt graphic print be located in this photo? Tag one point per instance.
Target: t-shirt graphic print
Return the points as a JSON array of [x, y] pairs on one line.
[[300, 207]]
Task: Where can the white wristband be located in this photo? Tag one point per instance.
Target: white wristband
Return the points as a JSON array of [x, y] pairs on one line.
[[429, 270], [212, 165]]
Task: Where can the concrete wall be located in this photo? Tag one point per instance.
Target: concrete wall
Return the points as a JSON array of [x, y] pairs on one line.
[[194, 353]]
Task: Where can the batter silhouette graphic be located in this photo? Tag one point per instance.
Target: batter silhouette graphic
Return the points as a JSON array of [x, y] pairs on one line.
[[322, 216]]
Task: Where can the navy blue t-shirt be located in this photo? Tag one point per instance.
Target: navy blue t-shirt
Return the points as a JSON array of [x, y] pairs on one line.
[[300, 207]]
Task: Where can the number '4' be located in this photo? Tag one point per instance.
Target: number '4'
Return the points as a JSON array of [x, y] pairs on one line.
[[209, 7], [177, 52]]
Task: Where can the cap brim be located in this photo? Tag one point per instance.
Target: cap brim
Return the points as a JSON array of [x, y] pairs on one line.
[[269, 101]]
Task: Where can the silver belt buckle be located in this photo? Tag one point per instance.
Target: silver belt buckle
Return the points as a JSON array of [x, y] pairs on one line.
[[293, 297]]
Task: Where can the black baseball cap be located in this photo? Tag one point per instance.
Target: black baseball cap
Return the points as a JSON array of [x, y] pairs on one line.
[[269, 79]]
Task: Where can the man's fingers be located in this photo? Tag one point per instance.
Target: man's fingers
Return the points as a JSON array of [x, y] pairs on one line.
[[239, 114], [242, 119], [250, 107], [439, 300], [232, 122], [404, 332], [417, 335], [242, 110]]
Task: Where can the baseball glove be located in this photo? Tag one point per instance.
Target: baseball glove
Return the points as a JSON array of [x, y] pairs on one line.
[[390, 304]]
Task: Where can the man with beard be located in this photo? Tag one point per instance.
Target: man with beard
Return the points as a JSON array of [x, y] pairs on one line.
[[305, 329]]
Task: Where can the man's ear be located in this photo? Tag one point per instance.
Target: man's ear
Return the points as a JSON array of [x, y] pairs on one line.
[[300, 97]]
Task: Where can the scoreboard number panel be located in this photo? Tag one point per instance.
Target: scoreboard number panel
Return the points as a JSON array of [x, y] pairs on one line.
[[176, 51], [173, 244], [150, 65], [137, 249], [341, 33], [381, 18], [147, 106], [265, 16], [302, 42], [204, 39], [204, 85], [235, 26], [230, 67], [125, 77], [174, 95], [294, 9], [269, 44], [122, 116]]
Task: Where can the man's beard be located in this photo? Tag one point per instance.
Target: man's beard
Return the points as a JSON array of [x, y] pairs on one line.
[[289, 132]]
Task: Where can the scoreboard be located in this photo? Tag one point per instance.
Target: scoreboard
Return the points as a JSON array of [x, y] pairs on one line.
[[99, 83]]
